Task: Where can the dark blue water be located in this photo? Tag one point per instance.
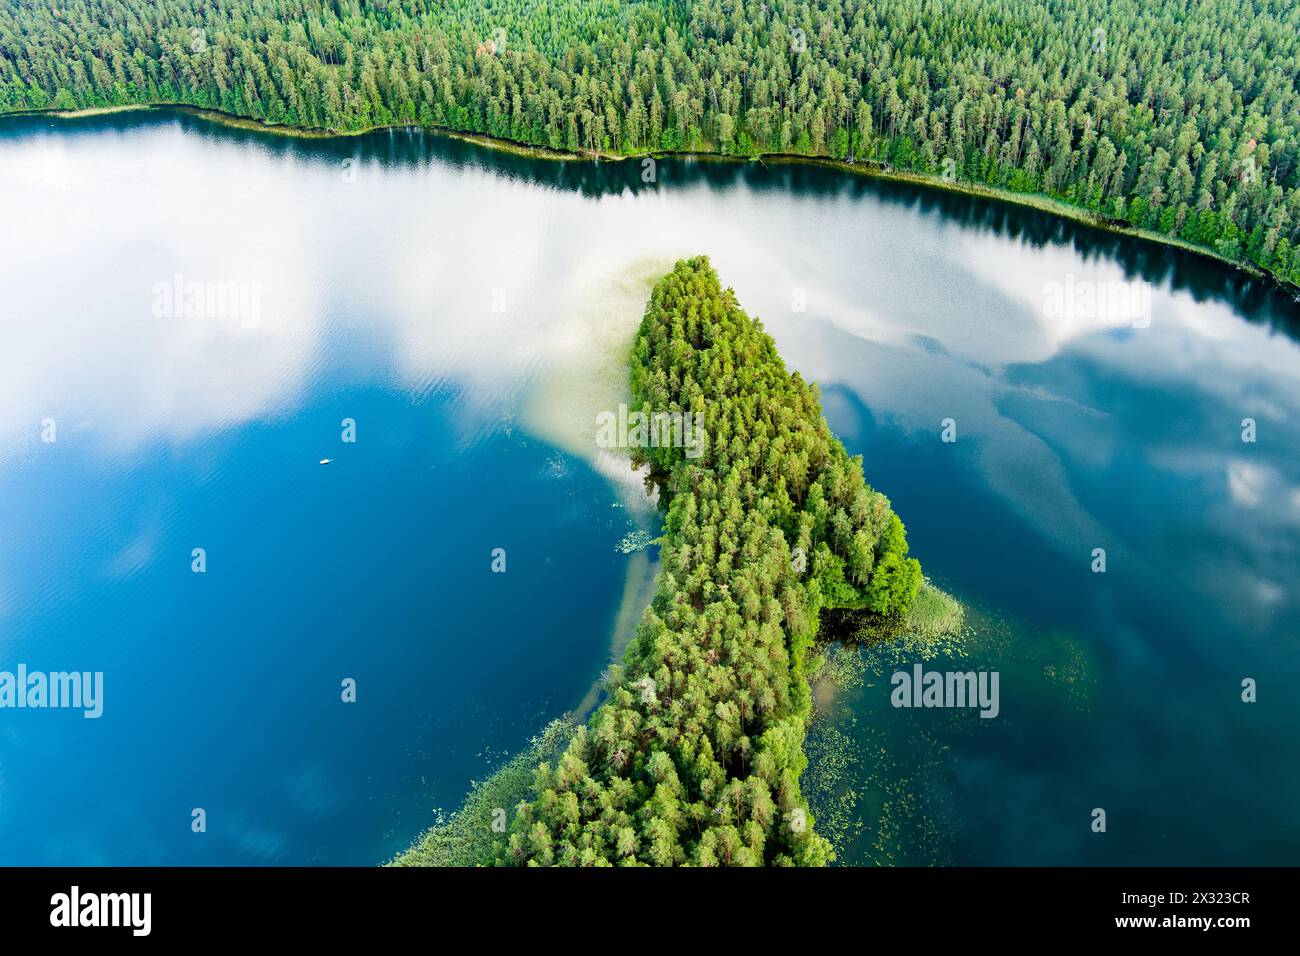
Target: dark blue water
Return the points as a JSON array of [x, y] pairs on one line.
[[468, 310], [222, 689]]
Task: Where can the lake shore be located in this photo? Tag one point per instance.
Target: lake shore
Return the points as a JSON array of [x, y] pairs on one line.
[[304, 132], [869, 168]]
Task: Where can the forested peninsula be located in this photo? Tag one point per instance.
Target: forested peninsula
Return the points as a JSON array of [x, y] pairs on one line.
[[1179, 122], [695, 755]]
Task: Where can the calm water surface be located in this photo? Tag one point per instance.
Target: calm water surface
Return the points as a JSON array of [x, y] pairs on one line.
[[460, 306]]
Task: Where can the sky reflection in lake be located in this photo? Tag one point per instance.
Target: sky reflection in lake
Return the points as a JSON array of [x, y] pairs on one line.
[[471, 301]]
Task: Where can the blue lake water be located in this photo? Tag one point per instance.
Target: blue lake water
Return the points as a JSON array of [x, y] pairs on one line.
[[465, 309]]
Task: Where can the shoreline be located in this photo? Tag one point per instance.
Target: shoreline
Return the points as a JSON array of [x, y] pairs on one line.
[[638, 593], [869, 168], [233, 121]]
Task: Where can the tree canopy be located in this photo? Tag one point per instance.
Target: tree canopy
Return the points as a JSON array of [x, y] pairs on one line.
[[695, 756]]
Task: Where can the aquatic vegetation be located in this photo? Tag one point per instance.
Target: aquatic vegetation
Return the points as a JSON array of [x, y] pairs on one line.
[[879, 800], [853, 782], [831, 782], [1067, 668], [933, 623], [934, 614], [695, 756], [634, 541], [470, 835]]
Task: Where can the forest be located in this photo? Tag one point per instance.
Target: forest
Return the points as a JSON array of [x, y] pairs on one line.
[[1176, 117], [694, 757]]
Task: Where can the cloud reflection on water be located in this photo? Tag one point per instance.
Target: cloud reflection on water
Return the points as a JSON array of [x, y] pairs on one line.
[[431, 274]]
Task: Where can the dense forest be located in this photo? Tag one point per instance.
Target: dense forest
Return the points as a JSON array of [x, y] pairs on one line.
[[695, 756], [1178, 117]]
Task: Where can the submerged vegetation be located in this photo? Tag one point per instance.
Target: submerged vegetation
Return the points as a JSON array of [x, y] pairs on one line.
[[695, 756], [1182, 122], [470, 835]]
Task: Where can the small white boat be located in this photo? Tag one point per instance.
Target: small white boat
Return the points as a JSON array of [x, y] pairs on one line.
[[326, 461]]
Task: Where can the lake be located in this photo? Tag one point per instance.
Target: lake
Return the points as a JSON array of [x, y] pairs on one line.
[[196, 316]]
